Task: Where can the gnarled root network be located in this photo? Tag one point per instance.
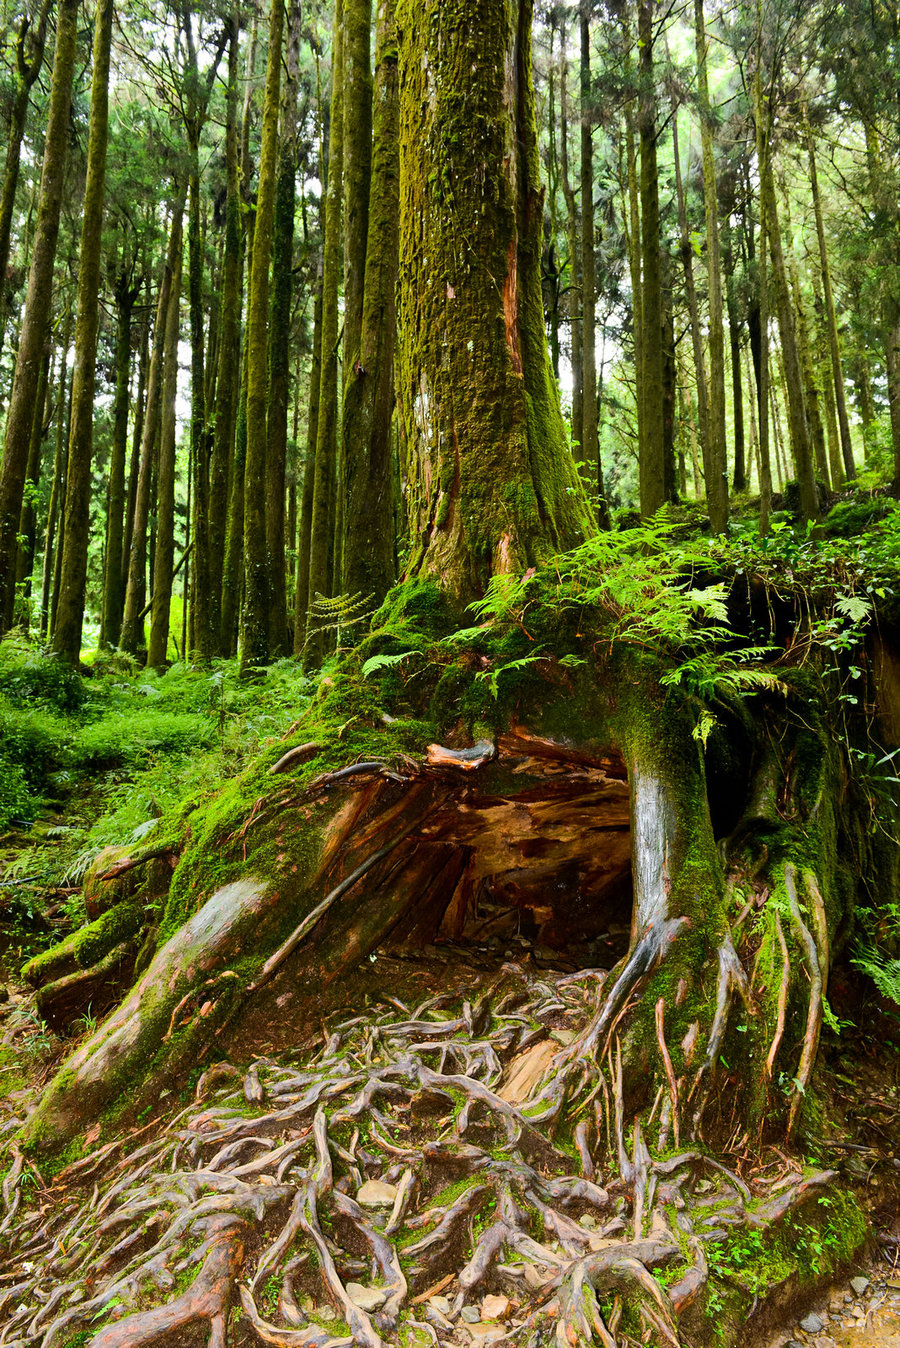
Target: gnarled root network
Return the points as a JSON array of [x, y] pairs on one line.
[[380, 1190]]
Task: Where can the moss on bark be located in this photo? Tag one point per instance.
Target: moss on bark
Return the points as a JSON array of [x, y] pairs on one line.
[[492, 486]]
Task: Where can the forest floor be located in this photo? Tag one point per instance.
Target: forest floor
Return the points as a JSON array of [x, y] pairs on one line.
[[292, 1030]]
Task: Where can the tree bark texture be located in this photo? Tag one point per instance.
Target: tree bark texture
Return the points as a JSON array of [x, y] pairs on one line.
[[492, 486], [834, 344], [36, 321], [229, 357], [126, 294], [255, 621], [164, 554], [652, 452], [717, 472], [70, 615], [132, 623], [280, 346], [368, 542], [325, 480]]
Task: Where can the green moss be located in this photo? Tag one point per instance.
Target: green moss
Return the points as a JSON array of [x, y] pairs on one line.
[[83, 948]]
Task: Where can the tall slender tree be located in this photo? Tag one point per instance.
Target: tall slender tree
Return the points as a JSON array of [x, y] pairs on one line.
[[368, 542], [255, 620], [36, 320], [70, 614]]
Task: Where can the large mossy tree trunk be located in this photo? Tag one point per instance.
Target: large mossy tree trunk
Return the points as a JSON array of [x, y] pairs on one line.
[[492, 485]]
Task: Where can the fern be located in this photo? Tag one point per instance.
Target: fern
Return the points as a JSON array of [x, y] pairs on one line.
[[493, 675], [379, 662], [884, 972], [344, 610]]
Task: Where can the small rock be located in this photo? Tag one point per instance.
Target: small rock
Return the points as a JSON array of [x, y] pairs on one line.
[[812, 1324], [484, 1334], [859, 1285], [587, 1221], [366, 1298], [495, 1308], [376, 1194], [470, 1314], [532, 1278], [325, 1313], [441, 1304]]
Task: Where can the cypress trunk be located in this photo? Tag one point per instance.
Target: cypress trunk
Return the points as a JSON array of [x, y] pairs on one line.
[[28, 522], [70, 614], [652, 454], [137, 434], [228, 377], [793, 375], [280, 349], [717, 473], [323, 509], [761, 309], [687, 262], [30, 44], [36, 321], [590, 439], [255, 621], [126, 295], [834, 344], [741, 475], [301, 596], [573, 244], [492, 486], [164, 555], [356, 103], [57, 486], [132, 621], [368, 542]]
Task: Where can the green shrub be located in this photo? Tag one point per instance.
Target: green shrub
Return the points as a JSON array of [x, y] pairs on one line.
[[29, 676], [132, 738]]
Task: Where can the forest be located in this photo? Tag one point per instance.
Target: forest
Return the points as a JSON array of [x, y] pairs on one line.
[[450, 673]]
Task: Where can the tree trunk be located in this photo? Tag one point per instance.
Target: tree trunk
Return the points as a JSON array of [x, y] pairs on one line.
[[687, 262], [794, 392], [590, 439], [761, 117], [834, 344], [356, 109], [36, 322], [57, 486], [717, 473], [228, 376], [233, 570], [70, 615], [741, 474], [572, 240], [301, 597], [324, 485], [255, 622], [126, 295], [132, 623], [492, 487], [652, 461], [137, 434], [164, 555], [280, 348], [21, 616], [30, 42], [813, 404], [368, 541]]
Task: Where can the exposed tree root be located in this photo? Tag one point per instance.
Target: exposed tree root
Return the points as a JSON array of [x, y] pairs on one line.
[[393, 1158]]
